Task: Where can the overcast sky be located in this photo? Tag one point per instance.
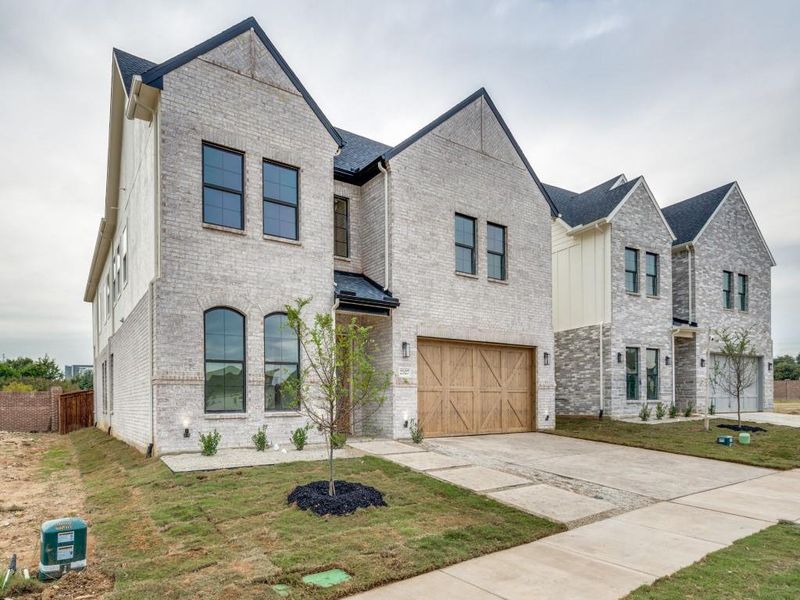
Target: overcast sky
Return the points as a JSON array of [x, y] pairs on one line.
[[690, 94]]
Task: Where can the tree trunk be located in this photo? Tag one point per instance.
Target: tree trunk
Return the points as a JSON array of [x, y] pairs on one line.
[[739, 408], [331, 485]]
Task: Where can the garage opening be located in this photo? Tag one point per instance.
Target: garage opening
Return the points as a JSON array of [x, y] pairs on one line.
[[466, 388]]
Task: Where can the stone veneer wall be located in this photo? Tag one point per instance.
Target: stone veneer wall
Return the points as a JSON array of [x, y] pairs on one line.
[[578, 370]]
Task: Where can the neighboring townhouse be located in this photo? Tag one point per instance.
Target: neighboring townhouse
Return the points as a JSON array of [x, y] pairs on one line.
[[612, 299], [230, 195], [721, 278]]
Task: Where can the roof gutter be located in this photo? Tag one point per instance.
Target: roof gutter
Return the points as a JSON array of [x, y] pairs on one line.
[[133, 99], [581, 228]]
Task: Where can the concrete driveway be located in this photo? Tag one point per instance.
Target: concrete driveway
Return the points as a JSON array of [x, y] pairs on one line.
[[657, 475]]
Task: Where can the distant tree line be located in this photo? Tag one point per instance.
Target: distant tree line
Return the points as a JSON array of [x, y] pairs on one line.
[[786, 367], [24, 374]]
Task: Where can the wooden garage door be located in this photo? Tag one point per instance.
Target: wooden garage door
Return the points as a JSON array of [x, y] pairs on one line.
[[465, 388]]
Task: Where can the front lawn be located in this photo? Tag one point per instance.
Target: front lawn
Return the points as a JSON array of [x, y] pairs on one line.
[[765, 565], [778, 448], [230, 534]]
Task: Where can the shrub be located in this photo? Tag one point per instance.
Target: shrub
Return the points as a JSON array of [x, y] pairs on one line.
[[338, 440], [673, 411], [712, 409], [300, 437], [660, 411], [18, 386], [209, 442], [417, 435], [260, 440], [689, 410], [644, 412]]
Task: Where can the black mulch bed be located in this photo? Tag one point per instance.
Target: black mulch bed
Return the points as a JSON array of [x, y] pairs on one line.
[[349, 497], [749, 428]]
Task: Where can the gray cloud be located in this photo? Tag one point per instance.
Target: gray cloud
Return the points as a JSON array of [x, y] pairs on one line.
[[690, 94]]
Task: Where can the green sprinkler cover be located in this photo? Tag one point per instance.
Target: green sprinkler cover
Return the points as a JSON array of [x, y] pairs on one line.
[[63, 547]]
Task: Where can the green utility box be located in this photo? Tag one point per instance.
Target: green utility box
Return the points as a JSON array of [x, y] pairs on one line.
[[63, 547]]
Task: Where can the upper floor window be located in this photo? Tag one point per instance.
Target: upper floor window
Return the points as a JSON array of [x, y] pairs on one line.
[[727, 289], [281, 360], [224, 360], [280, 201], [651, 274], [223, 187], [124, 251], [496, 251], [115, 277], [632, 373], [742, 291], [465, 244], [652, 373], [341, 227], [108, 294], [632, 270]]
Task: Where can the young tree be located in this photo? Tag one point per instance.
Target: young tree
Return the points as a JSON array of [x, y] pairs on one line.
[[736, 369], [337, 381], [85, 380]]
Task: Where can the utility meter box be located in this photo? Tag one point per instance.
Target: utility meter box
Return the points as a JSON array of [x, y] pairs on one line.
[[63, 547]]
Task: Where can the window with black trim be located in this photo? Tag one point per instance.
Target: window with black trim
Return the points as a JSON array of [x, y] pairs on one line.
[[652, 373], [280, 200], [224, 360], [651, 274], [465, 244], [632, 270], [223, 187], [341, 227], [632, 373], [124, 253], [742, 291], [281, 360], [727, 289], [496, 251]]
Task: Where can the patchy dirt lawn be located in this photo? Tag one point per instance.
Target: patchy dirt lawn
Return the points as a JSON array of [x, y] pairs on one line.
[[39, 482]]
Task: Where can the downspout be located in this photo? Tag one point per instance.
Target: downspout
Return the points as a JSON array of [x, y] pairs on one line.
[[602, 385], [690, 261], [383, 170], [674, 362]]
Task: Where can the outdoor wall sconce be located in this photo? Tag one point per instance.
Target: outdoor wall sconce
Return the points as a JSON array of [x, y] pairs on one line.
[[619, 357], [702, 362], [186, 432], [546, 358], [667, 361], [769, 366], [406, 350]]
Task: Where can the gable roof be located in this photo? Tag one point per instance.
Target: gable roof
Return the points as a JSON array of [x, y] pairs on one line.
[[688, 217], [356, 166], [593, 204], [130, 65], [153, 75]]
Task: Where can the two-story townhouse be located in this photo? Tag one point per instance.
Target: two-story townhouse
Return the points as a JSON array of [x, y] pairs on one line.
[[230, 194], [721, 279], [612, 299]]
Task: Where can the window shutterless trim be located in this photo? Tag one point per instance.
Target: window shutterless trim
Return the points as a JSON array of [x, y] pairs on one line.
[[220, 188], [654, 276], [742, 292], [243, 362], [503, 259], [295, 206], [635, 272], [346, 226], [727, 290], [277, 362], [472, 248], [637, 374], [657, 374]]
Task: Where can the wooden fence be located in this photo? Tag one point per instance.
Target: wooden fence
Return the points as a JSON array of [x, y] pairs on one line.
[[75, 411]]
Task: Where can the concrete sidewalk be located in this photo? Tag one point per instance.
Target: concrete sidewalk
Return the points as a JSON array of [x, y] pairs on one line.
[[608, 559]]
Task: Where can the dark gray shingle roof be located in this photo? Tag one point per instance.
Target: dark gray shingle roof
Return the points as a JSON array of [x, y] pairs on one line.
[[130, 65], [358, 152], [355, 287], [688, 217], [591, 205]]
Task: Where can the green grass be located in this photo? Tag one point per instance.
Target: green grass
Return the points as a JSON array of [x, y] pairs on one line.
[[230, 534], [778, 448], [763, 566]]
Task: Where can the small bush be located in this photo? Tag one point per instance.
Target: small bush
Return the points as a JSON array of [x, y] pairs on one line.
[[417, 435], [644, 412], [673, 411], [300, 437], [18, 386], [209, 443], [689, 410], [338, 440], [260, 440], [712, 409], [660, 411]]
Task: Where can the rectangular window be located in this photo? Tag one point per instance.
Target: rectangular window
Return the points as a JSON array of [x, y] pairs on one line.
[[104, 377], [496, 251], [111, 384], [727, 289], [280, 201], [465, 244], [108, 294], [223, 187], [632, 373], [341, 227], [651, 274], [281, 361], [742, 291], [124, 246], [115, 278], [632, 270], [652, 374]]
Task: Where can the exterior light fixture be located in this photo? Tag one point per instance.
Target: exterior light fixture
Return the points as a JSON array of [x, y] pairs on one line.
[[186, 427], [667, 361], [406, 350], [769, 366], [702, 362], [619, 357], [546, 358]]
